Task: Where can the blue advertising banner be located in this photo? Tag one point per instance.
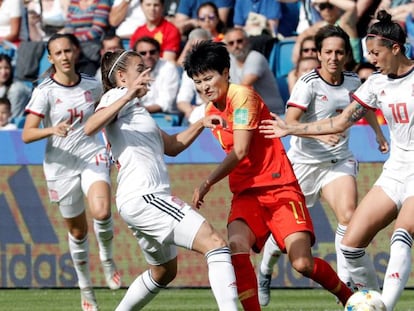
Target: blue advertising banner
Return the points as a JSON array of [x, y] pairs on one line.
[[33, 236]]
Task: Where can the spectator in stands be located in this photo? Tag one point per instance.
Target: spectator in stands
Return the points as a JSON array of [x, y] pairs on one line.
[[46, 17], [334, 12], [88, 21], [289, 19], [308, 15], [305, 64], [187, 13], [364, 70], [157, 27], [162, 93], [208, 19], [249, 67], [126, 16], [194, 36], [109, 43], [257, 17], [189, 101], [308, 47], [11, 17], [15, 90], [5, 114], [307, 50]]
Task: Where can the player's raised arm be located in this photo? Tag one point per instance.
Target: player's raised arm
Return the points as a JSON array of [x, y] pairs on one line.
[[279, 128]]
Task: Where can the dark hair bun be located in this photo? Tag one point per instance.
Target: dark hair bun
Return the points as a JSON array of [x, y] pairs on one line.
[[384, 17]]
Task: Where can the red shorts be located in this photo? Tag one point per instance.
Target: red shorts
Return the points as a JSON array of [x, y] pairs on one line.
[[280, 211]]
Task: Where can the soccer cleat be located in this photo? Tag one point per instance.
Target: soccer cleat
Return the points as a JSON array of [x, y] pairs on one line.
[[88, 300], [264, 281], [112, 276]]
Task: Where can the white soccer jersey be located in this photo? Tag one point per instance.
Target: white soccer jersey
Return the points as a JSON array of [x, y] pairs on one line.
[[67, 156], [395, 97], [138, 147], [320, 100]]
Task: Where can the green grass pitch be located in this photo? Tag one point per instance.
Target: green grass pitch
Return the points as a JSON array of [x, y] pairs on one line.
[[174, 300]]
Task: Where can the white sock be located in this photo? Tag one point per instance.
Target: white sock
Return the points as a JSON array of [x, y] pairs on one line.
[[341, 267], [79, 250], [398, 269], [104, 235], [360, 267], [140, 293], [271, 254], [222, 278]]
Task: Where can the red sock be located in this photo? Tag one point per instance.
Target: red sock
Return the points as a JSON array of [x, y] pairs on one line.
[[246, 282], [327, 277]]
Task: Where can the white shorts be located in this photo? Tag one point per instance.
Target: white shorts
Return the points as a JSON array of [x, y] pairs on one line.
[[68, 192], [313, 177], [160, 222], [396, 184]]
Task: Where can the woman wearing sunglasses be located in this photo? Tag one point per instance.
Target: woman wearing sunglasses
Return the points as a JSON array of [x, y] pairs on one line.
[[208, 19]]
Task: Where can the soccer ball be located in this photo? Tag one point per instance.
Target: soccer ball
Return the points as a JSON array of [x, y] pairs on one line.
[[365, 300]]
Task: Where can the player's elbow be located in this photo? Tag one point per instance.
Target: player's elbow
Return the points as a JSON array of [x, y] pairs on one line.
[[241, 152], [89, 129]]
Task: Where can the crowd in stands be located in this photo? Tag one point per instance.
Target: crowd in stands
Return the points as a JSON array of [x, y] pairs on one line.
[[162, 32]]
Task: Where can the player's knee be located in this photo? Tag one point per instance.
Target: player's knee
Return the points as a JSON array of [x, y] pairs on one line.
[[164, 276], [101, 212], [238, 245], [217, 240], [303, 265], [78, 233]]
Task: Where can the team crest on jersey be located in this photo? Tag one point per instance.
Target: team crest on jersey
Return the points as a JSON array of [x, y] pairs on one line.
[[53, 194], [382, 93], [159, 36], [324, 98], [177, 201], [58, 101], [241, 116], [88, 96]]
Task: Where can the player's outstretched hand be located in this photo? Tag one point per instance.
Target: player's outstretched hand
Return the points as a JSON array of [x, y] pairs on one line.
[[274, 128], [140, 86], [213, 121], [199, 193]]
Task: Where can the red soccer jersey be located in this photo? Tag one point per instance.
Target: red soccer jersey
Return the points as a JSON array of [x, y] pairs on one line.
[[165, 33], [266, 163]]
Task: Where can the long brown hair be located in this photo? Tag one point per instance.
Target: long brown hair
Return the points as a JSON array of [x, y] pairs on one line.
[[111, 63]]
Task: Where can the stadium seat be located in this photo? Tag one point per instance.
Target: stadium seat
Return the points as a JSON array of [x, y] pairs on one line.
[[9, 49], [280, 62], [19, 121], [125, 44], [44, 63], [167, 119]]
